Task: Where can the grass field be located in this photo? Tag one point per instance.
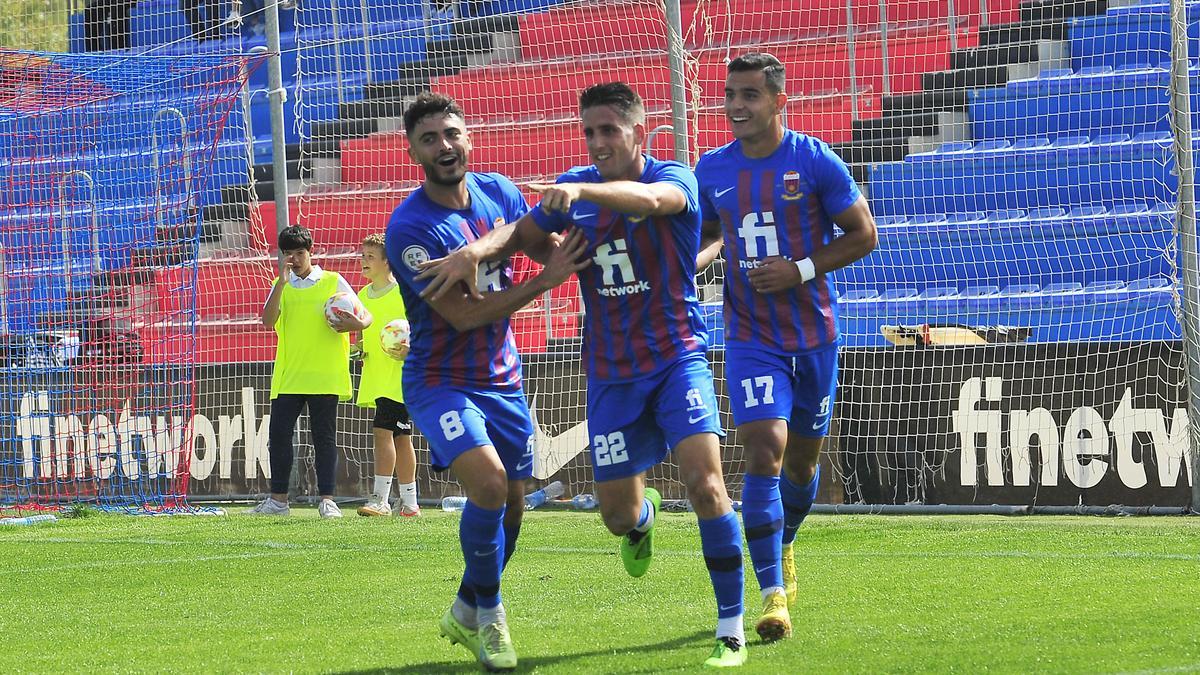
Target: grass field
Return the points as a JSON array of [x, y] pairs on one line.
[[881, 594]]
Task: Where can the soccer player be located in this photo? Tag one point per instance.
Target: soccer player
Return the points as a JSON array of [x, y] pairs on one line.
[[650, 387], [462, 380], [380, 389], [310, 369], [772, 197]]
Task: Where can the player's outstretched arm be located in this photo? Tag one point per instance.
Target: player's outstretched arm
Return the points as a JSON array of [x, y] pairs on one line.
[[466, 312], [623, 196], [778, 274], [463, 265], [711, 243]]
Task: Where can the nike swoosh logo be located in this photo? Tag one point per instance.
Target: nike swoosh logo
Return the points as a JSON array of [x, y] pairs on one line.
[[522, 466], [484, 554], [760, 570], [693, 420], [726, 607], [717, 194], [817, 425], [580, 215]]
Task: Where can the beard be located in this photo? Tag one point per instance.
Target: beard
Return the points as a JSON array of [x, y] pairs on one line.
[[436, 173]]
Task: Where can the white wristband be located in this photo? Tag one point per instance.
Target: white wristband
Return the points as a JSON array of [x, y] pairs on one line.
[[808, 271]]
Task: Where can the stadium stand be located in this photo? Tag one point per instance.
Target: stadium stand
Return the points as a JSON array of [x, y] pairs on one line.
[[996, 150]]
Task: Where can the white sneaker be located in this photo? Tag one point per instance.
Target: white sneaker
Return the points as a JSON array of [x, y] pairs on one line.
[[375, 507], [270, 507], [328, 509]]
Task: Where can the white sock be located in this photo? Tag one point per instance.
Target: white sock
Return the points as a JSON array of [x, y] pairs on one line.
[[732, 627], [383, 488], [491, 615], [408, 494], [650, 514], [771, 589], [464, 614]]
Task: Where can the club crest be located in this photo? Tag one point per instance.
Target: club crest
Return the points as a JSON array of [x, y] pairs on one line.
[[791, 186]]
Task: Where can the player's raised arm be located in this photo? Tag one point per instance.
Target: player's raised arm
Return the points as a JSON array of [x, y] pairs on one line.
[[465, 312], [623, 196], [463, 265]]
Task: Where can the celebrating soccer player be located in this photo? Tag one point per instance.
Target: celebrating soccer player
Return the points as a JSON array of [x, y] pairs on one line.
[[650, 387], [462, 379], [773, 195]]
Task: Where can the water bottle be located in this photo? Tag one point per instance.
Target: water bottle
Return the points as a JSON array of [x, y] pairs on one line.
[[538, 497], [454, 503], [29, 520], [584, 502]]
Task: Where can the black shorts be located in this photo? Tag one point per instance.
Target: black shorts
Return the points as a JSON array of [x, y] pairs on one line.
[[392, 416]]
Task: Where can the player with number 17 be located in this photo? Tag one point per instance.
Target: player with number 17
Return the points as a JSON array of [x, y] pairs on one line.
[[772, 197]]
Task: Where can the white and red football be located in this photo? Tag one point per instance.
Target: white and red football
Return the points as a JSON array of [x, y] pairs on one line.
[[345, 304]]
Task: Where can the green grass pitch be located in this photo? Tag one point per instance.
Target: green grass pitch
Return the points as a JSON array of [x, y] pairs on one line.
[[879, 594]]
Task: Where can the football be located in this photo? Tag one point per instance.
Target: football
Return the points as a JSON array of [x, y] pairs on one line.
[[394, 339], [345, 304]]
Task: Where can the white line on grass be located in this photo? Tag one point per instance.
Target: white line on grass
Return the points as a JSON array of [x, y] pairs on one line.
[[1192, 668], [568, 550]]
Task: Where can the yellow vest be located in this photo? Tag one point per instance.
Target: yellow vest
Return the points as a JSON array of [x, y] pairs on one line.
[[380, 372], [311, 357]]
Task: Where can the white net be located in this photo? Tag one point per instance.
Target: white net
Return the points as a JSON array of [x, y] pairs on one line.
[[1017, 159], [1014, 339]]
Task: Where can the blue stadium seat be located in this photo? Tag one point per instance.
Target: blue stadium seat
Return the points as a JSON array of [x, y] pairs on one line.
[[993, 176]]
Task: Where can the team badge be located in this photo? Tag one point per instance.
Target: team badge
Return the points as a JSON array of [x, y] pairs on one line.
[[791, 186], [413, 256]]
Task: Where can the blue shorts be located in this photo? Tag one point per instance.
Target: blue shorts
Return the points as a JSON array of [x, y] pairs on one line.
[[633, 424], [455, 420], [799, 389]]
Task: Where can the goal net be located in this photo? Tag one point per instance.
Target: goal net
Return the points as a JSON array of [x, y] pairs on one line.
[[107, 163], [1015, 338]]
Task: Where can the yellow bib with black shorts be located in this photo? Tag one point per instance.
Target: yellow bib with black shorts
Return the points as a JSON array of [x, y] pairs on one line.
[[380, 372]]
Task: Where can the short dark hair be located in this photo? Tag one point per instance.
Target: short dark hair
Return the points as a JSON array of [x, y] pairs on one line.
[[768, 65], [294, 237], [426, 104], [616, 94]]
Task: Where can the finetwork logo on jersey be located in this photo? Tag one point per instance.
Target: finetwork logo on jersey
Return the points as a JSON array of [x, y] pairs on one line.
[[612, 259]]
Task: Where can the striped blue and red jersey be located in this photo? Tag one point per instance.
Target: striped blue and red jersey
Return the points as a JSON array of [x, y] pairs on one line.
[[781, 205], [420, 230], [639, 293]]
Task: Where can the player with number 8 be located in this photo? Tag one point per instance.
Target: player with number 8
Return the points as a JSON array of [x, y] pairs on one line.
[[772, 198], [462, 377]]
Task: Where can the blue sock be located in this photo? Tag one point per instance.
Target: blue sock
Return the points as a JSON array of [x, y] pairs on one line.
[[482, 537], [797, 502], [762, 518], [721, 541], [511, 532]]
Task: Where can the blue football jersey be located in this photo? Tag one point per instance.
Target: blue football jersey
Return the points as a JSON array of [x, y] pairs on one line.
[[781, 205], [420, 230], [639, 294]]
